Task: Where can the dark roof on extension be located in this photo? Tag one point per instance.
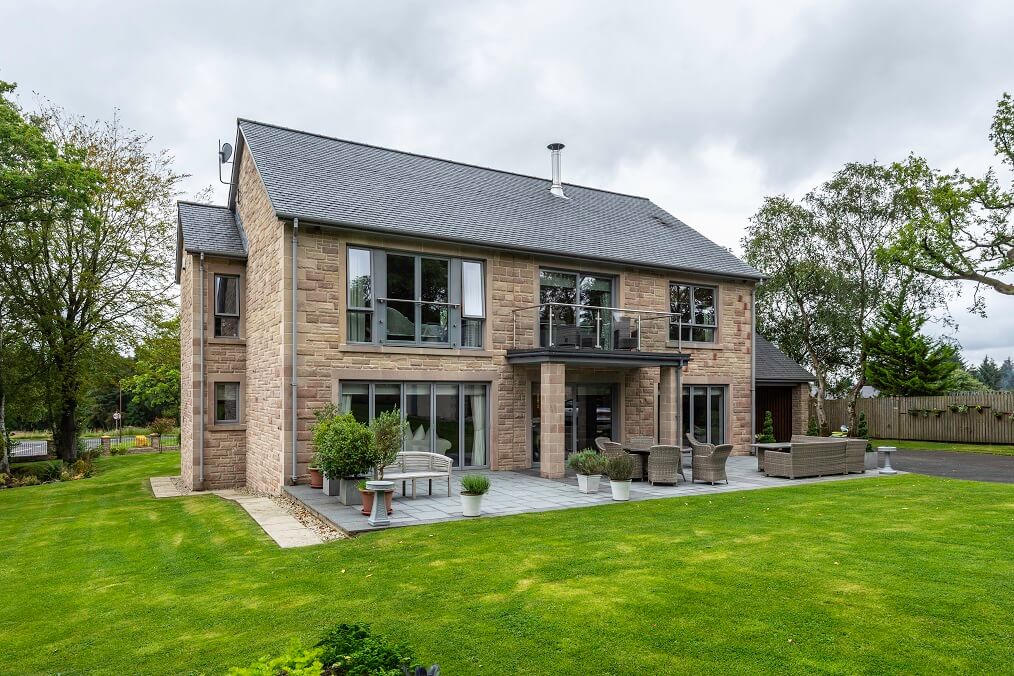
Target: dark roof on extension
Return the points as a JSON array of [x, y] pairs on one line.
[[774, 366], [210, 229], [334, 182]]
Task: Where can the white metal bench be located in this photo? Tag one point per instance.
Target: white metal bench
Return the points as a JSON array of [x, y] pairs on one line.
[[414, 465]]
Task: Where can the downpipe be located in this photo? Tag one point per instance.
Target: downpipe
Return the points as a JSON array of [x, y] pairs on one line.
[[753, 364], [200, 445], [293, 379]]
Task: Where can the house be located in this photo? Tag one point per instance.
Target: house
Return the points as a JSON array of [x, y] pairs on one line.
[[512, 319]]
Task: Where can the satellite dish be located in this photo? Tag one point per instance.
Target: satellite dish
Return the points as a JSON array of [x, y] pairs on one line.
[[224, 153]]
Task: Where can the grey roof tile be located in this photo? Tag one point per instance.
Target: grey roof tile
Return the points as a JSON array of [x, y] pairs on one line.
[[328, 180], [773, 365], [210, 229]]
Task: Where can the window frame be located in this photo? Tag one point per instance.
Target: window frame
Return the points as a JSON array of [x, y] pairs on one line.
[[692, 324], [687, 421], [239, 402], [578, 275], [216, 313], [380, 300]]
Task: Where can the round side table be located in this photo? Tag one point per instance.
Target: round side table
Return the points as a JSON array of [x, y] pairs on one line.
[[887, 451]]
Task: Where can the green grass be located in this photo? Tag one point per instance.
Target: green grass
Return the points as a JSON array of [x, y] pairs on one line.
[[992, 449], [907, 574]]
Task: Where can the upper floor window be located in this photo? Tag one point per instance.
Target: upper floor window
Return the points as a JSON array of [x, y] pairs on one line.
[[414, 299], [697, 312], [576, 310], [226, 306]]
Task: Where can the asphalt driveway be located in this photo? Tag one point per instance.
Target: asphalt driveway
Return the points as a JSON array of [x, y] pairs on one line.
[[973, 466]]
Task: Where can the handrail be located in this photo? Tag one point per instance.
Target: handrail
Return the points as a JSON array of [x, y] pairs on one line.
[[656, 314], [417, 302]]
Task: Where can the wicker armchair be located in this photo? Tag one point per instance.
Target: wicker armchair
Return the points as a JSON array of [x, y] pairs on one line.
[[665, 465], [708, 462], [855, 449], [610, 449], [599, 441], [638, 441], [811, 458]]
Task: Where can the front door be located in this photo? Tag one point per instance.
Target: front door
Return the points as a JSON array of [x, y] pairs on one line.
[[589, 412]]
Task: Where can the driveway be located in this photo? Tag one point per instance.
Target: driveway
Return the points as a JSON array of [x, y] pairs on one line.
[[973, 466]]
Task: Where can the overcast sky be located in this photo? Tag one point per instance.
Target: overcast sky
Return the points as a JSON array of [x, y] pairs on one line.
[[703, 107]]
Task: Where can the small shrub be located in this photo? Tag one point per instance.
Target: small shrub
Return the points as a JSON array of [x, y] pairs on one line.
[[44, 470], [351, 650], [119, 449], [295, 661], [90, 455], [812, 428], [5, 479], [28, 480], [388, 430], [343, 445], [588, 462], [767, 435], [163, 425], [474, 484], [620, 467]]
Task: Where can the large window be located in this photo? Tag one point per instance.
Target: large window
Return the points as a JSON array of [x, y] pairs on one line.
[[704, 413], [226, 402], [576, 321], [226, 306], [414, 299], [697, 310], [446, 418]]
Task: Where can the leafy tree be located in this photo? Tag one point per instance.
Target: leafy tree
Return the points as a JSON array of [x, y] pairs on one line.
[[988, 373], [1007, 374], [961, 380], [902, 362], [960, 227], [155, 384], [826, 281], [88, 261], [767, 435]]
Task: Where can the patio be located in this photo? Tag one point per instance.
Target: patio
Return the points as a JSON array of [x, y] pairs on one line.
[[521, 493]]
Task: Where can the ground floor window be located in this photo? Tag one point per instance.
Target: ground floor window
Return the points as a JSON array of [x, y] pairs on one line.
[[446, 418], [704, 412]]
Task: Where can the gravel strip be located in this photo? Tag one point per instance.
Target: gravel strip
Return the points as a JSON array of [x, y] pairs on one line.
[[325, 530], [177, 481]]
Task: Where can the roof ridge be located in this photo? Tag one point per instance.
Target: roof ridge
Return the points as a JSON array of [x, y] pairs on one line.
[[204, 204], [432, 157]]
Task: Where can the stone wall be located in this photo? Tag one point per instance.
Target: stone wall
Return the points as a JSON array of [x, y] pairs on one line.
[[800, 408], [190, 371]]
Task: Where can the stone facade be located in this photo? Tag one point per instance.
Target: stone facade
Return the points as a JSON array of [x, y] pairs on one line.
[[257, 452], [800, 408]]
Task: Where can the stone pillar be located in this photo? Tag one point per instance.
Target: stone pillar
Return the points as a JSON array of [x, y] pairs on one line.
[[667, 401], [553, 394], [106, 441], [156, 442]]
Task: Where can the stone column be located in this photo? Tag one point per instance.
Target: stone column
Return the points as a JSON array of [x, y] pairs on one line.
[[156, 442], [553, 394], [667, 400], [106, 441]]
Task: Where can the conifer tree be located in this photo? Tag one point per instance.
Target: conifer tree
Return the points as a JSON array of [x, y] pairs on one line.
[[767, 435], [902, 361]]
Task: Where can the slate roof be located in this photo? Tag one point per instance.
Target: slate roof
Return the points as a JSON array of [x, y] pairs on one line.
[[210, 229], [330, 181], [774, 366]]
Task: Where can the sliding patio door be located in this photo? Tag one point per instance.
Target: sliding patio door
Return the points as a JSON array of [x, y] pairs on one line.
[[704, 413]]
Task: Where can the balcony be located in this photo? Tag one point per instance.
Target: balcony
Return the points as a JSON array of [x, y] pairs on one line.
[[594, 334]]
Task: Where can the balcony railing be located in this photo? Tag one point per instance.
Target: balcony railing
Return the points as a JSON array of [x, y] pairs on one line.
[[594, 327]]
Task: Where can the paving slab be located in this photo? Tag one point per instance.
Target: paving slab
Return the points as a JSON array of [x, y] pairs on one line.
[[282, 527], [525, 492], [165, 487]]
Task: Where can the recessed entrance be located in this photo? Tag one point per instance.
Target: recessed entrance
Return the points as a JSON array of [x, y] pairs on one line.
[[589, 412]]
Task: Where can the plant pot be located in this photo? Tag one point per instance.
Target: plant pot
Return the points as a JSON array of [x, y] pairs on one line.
[[471, 505], [367, 499], [871, 460], [330, 486], [621, 490], [348, 492], [316, 478], [588, 483]]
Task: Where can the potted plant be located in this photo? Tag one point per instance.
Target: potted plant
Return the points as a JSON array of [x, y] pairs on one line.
[[342, 451], [316, 477], [619, 469], [589, 465], [473, 487], [387, 432]]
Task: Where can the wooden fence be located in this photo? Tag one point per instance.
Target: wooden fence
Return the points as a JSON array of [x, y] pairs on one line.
[[984, 418]]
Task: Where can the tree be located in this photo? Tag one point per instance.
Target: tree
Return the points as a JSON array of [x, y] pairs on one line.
[[767, 435], [826, 281], [962, 380], [86, 258], [155, 384], [902, 362], [988, 373], [1007, 374], [960, 227]]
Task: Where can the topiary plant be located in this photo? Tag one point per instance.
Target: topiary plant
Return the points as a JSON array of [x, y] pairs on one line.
[[767, 435], [812, 428], [620, 467], [588, 462], [343, 445]]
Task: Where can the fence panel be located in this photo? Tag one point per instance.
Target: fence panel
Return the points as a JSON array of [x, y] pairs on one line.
[[983, 418]]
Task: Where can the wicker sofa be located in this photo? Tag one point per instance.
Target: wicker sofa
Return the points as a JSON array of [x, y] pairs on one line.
[[855, 449], [811, 458]]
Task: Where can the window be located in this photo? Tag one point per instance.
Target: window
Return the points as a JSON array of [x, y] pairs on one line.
[[226, 402], [360, 297], [423, 300], [446, 418], [704, 413], [698, 316], [582, 325], [227, 306]]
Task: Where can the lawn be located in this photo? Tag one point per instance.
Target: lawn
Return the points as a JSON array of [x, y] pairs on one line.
[[991, 449], [902, 574]]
